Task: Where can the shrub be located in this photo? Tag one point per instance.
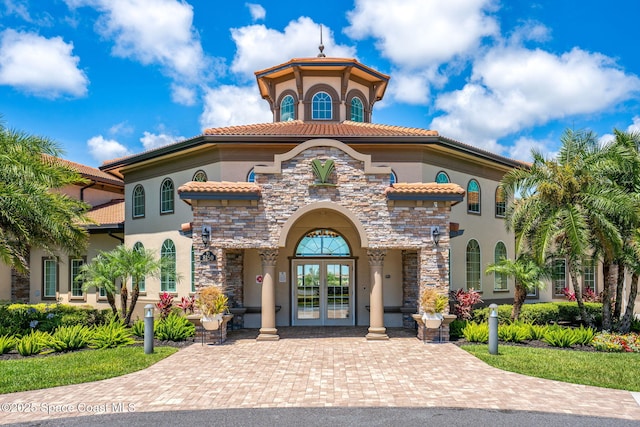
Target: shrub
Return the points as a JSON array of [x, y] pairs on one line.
[[635, 325], [33, 343], [583, 335], [561, 337], [456, 327], [543, 313], [515, 332], [137, 328], [174, 328], [476, 332], [187, 305], [536, 332], [67, 338], [7, 343], [464, 302], [111, 335], [165, 305]]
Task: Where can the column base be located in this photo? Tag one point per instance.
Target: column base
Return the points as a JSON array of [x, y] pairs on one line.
[[268, 334], [377, 334]]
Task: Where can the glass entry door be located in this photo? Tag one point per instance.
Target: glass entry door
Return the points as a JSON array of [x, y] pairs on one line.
[[322, 292]]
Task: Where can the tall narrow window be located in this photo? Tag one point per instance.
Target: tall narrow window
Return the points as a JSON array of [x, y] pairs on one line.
[[138, 201], [357, 110], [321, 106], [501, 203], [193, 270], [251, 176], [473, 197], [287, 109], [75, 280], [393, 178], [200, 176], [442, 178], [166, 197], [50, 278], [473, 265], [142, 281], [500, 280], [589, 275], [559, 276], [168, 268]]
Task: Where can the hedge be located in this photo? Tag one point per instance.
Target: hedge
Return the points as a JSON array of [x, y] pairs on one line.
[[544, 313]]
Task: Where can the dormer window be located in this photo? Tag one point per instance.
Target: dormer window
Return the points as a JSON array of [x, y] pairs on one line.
[[287, 109], [321, 106], [357, 110]]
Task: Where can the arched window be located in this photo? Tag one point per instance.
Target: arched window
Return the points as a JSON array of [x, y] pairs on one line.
[[473, 197], [142, 284], [500, 280], [200, 176], [138, 201], [287, 111], [321, 106], [501, 203], [393, 178], [166, 197], [323, 242], [251, 176], [473, 265], [357, 110], [168, 267], [442, 178]]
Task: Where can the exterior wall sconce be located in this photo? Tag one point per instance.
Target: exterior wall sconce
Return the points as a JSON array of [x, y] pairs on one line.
[[206, 234], [435, 235]]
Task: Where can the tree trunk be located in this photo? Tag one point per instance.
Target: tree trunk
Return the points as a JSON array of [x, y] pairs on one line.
[[520, 294], [625, 324], [134, 299], [111, 299], [586, 319], [617, 310], [124, 296], [609, 274]]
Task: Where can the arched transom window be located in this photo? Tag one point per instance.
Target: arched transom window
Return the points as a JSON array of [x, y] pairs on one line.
[[357, 110], [323, 242], [286, 109]]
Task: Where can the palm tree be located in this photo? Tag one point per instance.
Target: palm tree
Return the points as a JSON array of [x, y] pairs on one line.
[[103, 273], [31, 214], [567, 205], [527, 275]]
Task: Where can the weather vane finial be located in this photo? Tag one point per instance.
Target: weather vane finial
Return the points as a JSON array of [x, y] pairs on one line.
[[321, 47]]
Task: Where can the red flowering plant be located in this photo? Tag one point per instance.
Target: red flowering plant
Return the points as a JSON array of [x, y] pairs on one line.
[[187, 304], [569, 294], [464, 302], [165, 305]]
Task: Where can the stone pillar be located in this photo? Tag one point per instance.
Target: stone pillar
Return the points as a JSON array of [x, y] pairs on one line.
[[410, 288], [268, 331], [377, 331]]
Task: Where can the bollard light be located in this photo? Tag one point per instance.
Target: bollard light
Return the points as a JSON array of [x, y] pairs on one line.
[[148, 329], [493, 329]]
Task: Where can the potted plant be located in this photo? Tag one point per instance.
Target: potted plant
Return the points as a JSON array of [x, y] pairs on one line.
[[213, 304], [433, 305]]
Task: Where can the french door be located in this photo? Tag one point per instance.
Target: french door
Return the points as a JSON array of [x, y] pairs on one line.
[[322, 292]]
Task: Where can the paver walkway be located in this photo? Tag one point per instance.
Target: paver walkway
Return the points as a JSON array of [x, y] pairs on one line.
[[316, 367]]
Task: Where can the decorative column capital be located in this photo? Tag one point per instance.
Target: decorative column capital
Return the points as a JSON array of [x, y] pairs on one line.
[[269, 257], [376, 256]]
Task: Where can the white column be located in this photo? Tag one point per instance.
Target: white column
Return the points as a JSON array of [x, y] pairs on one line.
[[377, 331]]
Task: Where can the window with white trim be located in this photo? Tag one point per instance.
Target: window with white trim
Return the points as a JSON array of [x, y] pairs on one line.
[[473, 265], [321, 106], [168, 267], [500, 280], [75, 279], [166, 197], [138, 201], [50, 278]]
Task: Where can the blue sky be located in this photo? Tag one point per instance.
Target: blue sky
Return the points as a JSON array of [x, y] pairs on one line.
[[107, 78]]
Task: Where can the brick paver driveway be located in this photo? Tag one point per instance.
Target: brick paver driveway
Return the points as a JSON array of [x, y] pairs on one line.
[[315, 367]]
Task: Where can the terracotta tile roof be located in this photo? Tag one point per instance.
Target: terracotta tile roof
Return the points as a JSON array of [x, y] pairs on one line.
[[319, 129], [108, 213], [426, 188], [88, 172], [219, 187]]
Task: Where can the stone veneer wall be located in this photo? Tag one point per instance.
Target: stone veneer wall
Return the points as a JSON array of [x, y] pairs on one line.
[[234, 289], [19, 287], [410, 288], [399, 225]]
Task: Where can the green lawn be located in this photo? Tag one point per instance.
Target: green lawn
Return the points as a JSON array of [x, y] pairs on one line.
[[610, 370], [75, 368]]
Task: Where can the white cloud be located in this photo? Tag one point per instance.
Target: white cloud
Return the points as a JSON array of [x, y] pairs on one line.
[[152, 140], [27, 61], [154, 32], [521, 149], [103, 149], [418, 33], [635, 126], [183, 95], [234, 105], [18, 8], [259, 47], [257, 11], [513, 88], [122, 128]]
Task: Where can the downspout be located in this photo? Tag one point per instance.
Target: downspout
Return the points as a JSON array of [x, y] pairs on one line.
[[116, 237], [85, 188]]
